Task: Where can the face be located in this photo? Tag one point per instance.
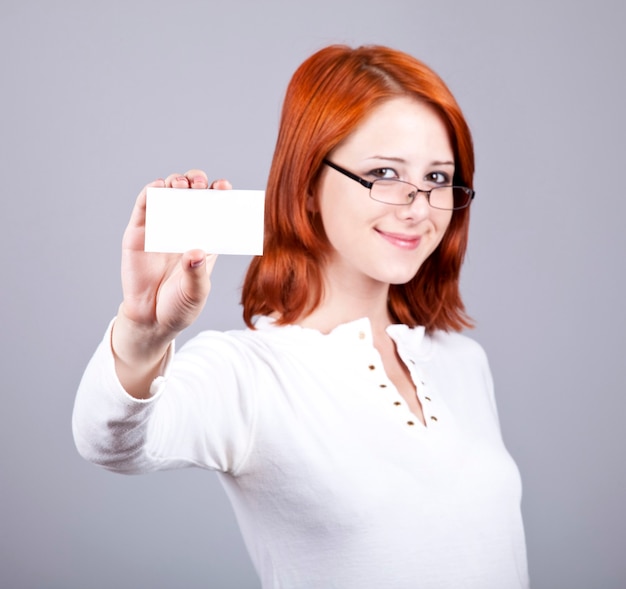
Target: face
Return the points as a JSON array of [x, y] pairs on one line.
[[376, 244]]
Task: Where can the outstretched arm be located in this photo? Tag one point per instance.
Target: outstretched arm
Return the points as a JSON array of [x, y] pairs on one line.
[[163, 293]]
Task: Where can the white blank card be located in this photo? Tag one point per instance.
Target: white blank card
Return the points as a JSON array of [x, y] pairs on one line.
[[216, 221]]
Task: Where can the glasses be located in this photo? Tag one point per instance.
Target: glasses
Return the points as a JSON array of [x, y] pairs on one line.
[[398, 192]]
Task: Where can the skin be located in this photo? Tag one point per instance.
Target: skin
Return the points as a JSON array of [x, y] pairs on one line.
[[374, 245]]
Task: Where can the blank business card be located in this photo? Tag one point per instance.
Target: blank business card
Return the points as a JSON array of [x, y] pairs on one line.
[[216, 221]]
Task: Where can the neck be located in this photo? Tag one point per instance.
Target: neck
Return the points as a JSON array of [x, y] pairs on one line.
[[344, 302]]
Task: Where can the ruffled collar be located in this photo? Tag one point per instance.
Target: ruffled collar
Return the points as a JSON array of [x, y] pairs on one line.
[[352, 331]]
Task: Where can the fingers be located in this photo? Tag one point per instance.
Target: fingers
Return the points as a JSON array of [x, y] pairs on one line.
[[191, 179], [134, 234], [195, 179], [177, 181], [221, 185], [138, 216]]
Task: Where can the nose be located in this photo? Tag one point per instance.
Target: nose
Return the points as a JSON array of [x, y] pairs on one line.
[[417, 209]]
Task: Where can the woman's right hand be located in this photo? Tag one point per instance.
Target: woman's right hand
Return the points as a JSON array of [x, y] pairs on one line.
[[163, 293]]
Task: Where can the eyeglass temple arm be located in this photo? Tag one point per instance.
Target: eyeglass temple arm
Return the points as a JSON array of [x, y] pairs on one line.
[[345, 172]]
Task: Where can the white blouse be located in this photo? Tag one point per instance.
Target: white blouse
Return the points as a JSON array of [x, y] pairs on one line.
[[334, 481]]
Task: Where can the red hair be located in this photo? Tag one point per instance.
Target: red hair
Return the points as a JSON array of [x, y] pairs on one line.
[[327, 98]]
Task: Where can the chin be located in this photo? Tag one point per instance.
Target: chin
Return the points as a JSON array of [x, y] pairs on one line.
[[398, 270], [401, 282], [400, 277]]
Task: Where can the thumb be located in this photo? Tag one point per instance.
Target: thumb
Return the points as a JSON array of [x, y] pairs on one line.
[[197, 268], [197, 260]]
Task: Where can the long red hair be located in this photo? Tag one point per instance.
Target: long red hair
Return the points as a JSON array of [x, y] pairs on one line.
[[328, 96]]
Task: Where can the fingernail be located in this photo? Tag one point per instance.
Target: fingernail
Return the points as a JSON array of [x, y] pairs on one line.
[[197, 263], [181, 179], [198, 181]]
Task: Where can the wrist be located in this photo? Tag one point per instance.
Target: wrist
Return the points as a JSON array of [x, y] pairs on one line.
[[137, 344]]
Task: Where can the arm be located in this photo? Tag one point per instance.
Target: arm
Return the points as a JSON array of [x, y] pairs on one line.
[[200, 413], [111, 427], [163, 294]]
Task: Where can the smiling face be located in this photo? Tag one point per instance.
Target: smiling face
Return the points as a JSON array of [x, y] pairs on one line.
[[376, 244]]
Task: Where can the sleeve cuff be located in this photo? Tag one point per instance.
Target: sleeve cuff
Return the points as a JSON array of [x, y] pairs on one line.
[[158, 384]]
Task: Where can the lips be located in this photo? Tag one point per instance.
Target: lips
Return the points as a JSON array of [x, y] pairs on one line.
[[400, 240]]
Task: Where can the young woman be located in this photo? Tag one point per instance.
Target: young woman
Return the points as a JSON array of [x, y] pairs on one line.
[[353, 427]]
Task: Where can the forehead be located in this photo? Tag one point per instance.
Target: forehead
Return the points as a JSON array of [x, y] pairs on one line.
[[402, 127]]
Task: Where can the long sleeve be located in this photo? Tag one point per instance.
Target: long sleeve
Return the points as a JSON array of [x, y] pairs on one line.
[[110, 427], [198, 415]]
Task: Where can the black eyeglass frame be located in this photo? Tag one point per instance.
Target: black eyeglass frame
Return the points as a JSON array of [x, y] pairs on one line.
[[363, 182]]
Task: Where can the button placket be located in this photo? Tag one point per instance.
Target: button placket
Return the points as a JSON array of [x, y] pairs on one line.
[[424, 396], [374, 363], [401, 409], [380, 377], [385, 387]]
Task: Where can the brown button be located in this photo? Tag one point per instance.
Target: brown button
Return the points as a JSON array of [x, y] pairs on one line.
[[371, 367], [397, 403], [382, 386], [433, 418], [410, 422]]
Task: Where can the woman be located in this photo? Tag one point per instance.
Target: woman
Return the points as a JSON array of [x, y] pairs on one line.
[[354, 429]]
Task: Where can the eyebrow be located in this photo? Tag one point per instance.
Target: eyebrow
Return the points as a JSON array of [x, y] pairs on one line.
[[403, 161]]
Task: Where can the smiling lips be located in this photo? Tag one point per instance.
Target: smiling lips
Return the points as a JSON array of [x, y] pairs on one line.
[[402, 241]]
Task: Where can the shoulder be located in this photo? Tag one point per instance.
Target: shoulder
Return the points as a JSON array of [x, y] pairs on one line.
[[461, 362], [458, 345], [458, 358]]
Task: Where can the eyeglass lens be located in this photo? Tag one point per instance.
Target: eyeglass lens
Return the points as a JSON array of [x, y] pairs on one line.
[[399, 192]]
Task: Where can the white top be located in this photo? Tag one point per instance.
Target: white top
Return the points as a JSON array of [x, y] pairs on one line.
[[335, 483]]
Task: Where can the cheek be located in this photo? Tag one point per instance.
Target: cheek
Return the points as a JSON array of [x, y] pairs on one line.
[[340, 212], [442, 221], [442, 224], [329, 220], [336, 231]]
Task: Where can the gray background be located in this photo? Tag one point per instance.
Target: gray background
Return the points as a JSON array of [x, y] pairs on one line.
[[99, 98]]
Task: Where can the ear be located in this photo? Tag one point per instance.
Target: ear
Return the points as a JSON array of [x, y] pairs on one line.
[[311, 205]]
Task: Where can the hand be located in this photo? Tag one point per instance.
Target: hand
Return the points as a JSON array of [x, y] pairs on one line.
[[163, 293]]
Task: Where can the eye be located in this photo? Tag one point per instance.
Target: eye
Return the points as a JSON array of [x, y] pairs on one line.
[[386, 173], [440, 178]]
